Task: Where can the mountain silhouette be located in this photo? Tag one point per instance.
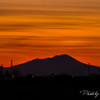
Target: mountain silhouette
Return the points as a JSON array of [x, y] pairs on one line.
[[60, 64]]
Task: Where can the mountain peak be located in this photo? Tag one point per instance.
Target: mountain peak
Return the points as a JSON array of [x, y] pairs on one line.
[[63, 55]]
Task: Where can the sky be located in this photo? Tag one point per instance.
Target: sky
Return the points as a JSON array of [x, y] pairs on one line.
[[31, 29]]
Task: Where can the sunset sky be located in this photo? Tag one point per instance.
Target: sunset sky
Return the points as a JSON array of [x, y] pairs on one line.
[[32, 29]]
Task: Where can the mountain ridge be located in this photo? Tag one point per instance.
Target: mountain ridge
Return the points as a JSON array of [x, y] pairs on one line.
[[59, 64]]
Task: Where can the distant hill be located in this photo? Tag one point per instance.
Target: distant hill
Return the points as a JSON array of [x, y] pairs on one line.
[[60, 64]]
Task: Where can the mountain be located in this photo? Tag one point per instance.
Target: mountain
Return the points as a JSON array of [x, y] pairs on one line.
[[60, 64]]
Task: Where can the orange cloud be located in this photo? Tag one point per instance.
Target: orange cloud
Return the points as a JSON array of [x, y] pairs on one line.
[[31, 29]]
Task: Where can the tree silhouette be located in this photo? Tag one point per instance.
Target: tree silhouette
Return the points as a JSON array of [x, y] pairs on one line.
[[16, 72], [7, 74], [1, 75]]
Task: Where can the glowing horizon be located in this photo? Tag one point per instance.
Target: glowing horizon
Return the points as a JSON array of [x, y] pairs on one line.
[[32, 29]]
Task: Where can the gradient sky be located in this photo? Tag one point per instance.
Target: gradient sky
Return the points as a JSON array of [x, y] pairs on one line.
[[32, 29]]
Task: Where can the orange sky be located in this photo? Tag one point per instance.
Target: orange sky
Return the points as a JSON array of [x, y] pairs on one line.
[[32, 29]]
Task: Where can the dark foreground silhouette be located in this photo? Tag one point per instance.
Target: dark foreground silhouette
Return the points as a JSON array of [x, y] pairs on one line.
[[52, 87], [72, 80]]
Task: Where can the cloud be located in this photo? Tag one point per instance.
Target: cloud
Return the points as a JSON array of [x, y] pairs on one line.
[[37, 42], [11, 12], [36, 25], [45, 38], [46, 25]]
